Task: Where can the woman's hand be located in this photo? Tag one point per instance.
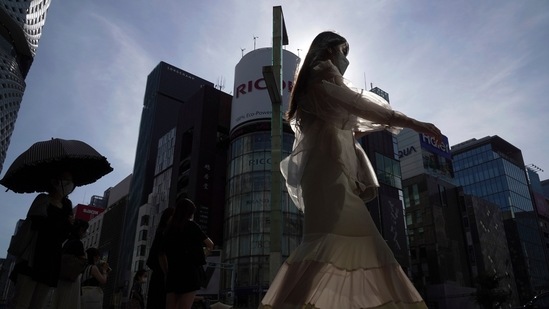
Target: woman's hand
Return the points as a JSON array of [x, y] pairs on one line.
[[428, 128]]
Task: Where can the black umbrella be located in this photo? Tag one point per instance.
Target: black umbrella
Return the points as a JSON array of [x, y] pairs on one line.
[[34, 168]]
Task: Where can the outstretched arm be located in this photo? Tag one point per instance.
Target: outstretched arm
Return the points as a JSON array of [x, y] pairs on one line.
[[401, 120], [332, 99]]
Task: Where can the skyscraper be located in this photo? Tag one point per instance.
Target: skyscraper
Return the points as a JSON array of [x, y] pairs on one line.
[[387, 209], [168, 87], [454, 236], [493, 169], [247, 224], [21, 24]]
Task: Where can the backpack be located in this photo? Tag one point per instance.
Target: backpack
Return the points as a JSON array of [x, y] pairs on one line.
[[21, 244]]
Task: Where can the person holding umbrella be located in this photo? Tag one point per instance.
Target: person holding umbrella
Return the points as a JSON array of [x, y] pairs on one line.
[[51, 219], [55, 166]]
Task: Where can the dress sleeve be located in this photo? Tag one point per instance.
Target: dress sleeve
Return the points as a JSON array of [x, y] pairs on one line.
[[332, 99]]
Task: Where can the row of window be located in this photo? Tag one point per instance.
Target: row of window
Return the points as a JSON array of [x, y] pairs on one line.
[[260, 222], [259, 201], [257, 245], [388, 171], [249, 182], [473, 157], [411, 196], [253, 161], [258, 141], [251, 271]]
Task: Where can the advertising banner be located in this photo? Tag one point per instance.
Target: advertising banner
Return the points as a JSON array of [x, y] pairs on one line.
[[435, 145], [251, 99], [86, 213]]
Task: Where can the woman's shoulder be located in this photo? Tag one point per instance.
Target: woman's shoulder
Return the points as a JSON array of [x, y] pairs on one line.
[[39, 206]]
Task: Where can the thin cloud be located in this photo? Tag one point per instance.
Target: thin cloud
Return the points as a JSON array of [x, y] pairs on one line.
[[474, 69]]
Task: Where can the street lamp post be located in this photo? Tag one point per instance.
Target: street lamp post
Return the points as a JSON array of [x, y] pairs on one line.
[[273, 80]]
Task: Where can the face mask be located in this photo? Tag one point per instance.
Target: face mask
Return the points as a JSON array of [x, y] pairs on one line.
[[341, 62], [65, 187]]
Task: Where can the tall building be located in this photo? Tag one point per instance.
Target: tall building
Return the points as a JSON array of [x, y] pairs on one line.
[[545, 188], [541, 206], [493, 169], [191, 162], [21, 24], [387, 209], [106, 235], [247, 238], [439, 264], [168, 88]]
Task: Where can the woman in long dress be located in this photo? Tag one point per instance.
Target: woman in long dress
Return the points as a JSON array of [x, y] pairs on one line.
[[342, 262]]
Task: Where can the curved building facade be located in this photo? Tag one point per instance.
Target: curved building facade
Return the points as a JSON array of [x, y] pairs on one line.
[[21, 23], [247, 236]]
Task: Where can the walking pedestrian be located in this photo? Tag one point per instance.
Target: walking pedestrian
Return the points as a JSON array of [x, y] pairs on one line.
[[182, 256], [343, 261]]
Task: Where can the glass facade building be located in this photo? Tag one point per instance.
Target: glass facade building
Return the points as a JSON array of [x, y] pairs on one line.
[[20, 30], [248, 211], [493, 169], [247, 238]]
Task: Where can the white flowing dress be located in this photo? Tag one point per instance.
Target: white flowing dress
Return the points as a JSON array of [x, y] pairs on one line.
[[342, 262]]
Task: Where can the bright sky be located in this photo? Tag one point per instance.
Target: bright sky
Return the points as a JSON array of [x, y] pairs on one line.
[[473, 68]]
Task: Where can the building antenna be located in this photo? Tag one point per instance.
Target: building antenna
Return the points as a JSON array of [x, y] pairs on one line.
[[242, 50], [365, 84], [535, 168], [298, 50], [220, 83], [255, 37]]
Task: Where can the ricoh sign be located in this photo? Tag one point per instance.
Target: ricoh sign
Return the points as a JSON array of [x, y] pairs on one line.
[[438, 146], [251, 99]]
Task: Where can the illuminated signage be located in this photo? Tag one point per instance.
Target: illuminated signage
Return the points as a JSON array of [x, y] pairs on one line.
[[437, 146]]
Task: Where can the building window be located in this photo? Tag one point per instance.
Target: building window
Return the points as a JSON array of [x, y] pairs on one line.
[[145, 220], [415, 194], [139, 265], [388, 171], [141, 250], [442, 195], [143, 235]]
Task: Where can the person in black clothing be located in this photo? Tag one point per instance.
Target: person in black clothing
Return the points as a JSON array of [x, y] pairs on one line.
[[51, 217], [182, 256], [67, 294], [137, 300], [156, 296]]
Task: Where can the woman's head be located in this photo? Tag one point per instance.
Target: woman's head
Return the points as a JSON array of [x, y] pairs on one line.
[[140, 276], [61, 184], [79, 228], [93, 255], [327, 45], [165, 218], [184, 211]]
